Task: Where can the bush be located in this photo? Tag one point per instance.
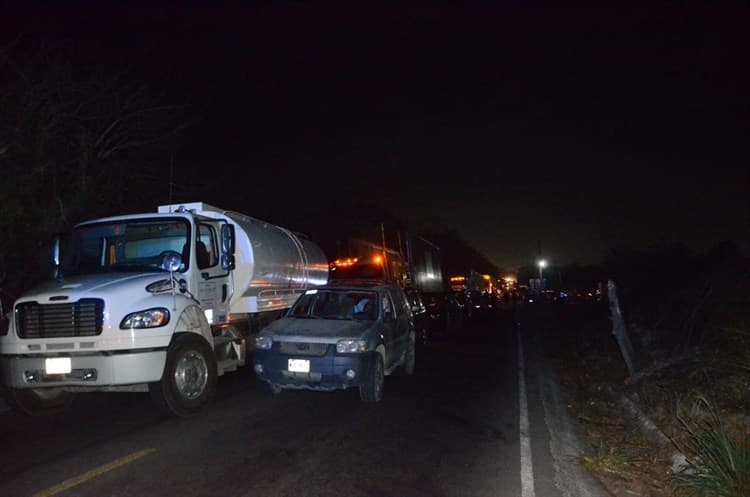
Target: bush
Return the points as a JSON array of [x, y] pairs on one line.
[[717, 465]]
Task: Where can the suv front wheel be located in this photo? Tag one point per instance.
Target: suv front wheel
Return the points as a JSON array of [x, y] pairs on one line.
[[372, 390]]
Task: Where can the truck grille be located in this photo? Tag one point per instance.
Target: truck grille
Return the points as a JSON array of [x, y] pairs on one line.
[[79, 319], [299, 348]]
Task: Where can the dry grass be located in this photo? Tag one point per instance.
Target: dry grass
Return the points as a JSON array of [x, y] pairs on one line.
[[626, 460]]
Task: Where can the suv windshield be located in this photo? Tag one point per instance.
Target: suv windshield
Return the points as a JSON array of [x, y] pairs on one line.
[[126, 245], [336, 304]]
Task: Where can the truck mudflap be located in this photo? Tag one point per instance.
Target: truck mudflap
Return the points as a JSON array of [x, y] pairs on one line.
[[86, 370]]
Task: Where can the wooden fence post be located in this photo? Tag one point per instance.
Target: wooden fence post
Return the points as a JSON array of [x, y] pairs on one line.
[[618, 327]]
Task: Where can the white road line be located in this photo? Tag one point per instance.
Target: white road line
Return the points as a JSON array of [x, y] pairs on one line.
[[527, 469]]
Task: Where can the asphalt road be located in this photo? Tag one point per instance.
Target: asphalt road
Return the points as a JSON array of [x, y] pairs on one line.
[[465, 424]]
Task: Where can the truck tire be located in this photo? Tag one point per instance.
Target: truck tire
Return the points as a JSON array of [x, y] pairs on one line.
[[39, 401], [424, 336], [189, 379], [372, 390]]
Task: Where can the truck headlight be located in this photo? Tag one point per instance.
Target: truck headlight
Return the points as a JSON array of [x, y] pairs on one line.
[[351, 346], [263, 342], [150, 318]]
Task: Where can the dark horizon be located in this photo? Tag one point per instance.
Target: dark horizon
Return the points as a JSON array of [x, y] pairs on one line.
[[576, 130]]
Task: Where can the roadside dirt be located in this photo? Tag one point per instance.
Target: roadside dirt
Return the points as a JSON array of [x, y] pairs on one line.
[[628, 460]]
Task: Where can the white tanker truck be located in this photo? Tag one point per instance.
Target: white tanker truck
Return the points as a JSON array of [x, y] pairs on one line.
[[163, 302]]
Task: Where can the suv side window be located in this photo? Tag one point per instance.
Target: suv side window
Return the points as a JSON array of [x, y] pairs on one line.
[[386, 305], [401, 304]]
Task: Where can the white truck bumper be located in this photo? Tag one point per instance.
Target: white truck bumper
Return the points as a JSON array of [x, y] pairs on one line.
[[86, 370]]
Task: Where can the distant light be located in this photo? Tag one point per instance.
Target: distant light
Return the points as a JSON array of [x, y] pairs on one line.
[[542, 263], [378, 259]]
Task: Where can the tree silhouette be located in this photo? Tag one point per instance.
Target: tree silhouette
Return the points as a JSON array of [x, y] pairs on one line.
[[76, 142]]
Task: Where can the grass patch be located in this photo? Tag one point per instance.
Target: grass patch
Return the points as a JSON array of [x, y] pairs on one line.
[[717, 464], [607, 460]]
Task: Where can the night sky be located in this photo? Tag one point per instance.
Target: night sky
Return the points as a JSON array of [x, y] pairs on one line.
[[571, 129]]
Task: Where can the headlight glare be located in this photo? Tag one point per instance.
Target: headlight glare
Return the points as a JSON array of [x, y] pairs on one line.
[[348, 346], [150, 318], [263, 342]]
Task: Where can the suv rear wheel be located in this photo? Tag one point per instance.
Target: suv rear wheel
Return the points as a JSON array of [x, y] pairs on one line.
[[410, 358]]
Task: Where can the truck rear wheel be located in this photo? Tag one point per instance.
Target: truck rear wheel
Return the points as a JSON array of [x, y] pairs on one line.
[[39, 401], [424, 336], [189, 379]]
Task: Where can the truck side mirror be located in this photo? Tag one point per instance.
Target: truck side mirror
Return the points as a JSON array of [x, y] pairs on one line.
[[227, 247], [227, 262], [227, 239], [171, 261]]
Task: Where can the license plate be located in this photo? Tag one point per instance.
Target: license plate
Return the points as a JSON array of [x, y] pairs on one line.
[[299, 366], [57, 365]]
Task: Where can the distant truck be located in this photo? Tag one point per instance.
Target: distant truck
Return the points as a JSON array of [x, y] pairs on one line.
[[472, 282], [162, 302], [417, 268], [416, 265]]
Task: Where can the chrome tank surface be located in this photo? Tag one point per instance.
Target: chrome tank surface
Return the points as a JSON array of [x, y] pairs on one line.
[[273, 265]]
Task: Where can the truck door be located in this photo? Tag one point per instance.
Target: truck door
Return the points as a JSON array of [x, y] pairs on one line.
[[213, 290]]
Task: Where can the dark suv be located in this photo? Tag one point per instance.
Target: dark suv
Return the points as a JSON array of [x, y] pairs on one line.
[[344, 334]]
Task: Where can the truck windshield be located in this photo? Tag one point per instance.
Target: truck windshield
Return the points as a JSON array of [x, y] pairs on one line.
[[126, 245]]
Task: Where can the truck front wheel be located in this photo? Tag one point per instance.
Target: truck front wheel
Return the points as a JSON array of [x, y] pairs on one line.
[[189, 379], [39, 401]]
